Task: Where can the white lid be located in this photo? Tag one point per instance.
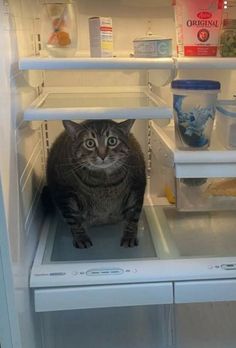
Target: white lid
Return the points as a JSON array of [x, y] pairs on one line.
[[151, 38]]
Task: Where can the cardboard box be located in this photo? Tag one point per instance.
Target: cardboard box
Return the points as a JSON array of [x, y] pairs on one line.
[[101, 37]]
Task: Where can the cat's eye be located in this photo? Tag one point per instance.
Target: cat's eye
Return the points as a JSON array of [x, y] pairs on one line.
[[90, 143], [112, 141]]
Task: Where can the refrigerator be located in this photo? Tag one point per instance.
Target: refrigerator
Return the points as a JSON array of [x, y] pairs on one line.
[[177, 289]]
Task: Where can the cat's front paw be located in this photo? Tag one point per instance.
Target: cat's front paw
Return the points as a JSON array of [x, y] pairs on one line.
[[129, 241], [82, 242]]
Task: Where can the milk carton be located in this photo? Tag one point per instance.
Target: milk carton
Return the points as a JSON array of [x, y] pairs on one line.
[[198, 26], [101, 38]]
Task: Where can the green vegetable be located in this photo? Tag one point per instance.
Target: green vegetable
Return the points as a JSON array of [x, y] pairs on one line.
[[228, 43]]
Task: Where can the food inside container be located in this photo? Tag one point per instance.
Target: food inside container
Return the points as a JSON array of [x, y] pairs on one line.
[[226, 123], [223, 187], [59, 28]]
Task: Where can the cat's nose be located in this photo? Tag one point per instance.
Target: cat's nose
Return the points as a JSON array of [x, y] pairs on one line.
[[102, 154]]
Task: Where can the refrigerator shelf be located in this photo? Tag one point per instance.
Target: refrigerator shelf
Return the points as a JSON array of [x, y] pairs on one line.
[[174, 246], [186, 63], [187, 255], [50, 63], [95, 103], [78, 63]]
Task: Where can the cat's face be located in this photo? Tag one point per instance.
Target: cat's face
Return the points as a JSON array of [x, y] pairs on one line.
[[100, 145]]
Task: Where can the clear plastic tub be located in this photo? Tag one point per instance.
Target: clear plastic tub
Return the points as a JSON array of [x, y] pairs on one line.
[[226, 123], [194, 103]]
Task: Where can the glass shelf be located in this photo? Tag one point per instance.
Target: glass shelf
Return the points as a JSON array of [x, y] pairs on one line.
[[138, 103], [183, 234], [106, 244], [202, 234], [172, 246]]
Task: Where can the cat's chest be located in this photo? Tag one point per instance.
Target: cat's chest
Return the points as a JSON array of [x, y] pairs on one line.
[[106, 206]]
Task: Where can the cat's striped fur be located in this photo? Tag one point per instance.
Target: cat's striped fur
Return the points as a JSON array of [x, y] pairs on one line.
[[96, 175]]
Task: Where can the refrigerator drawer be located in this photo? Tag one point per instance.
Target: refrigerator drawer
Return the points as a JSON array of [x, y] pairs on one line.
[[102, 296], [205, 291]]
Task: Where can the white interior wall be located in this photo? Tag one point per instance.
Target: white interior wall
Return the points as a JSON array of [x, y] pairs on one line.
[[21, 143], [131, 19]]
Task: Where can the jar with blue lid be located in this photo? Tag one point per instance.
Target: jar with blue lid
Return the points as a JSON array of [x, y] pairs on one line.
[[194, 106]]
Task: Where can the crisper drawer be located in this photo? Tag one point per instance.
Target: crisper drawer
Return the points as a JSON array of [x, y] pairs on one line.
[[68, 298], [194, 180], [205, 291]]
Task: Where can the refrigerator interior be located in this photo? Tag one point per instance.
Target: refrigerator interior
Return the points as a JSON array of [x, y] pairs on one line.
[[173, 236]]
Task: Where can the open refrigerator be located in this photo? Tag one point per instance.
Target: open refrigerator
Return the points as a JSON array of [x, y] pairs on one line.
[[178, 287]]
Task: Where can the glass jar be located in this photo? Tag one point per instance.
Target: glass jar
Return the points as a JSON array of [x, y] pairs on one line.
[[228, 38], [59, 28]]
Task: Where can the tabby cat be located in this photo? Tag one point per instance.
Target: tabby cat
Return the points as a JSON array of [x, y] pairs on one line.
[[96, 175]]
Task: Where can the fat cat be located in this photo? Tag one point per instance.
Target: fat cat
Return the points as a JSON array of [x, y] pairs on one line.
[[96, 175]]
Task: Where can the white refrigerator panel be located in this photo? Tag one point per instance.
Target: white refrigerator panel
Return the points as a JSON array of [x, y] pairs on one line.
[[22, 159]]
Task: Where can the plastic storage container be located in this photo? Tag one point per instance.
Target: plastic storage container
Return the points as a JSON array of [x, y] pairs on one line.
[[226, 123], [228, 38], [194, 112], [152, 46], [59, 28]]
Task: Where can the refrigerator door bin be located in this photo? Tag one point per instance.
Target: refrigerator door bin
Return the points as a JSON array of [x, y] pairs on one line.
[[198, 180], [94, 103]]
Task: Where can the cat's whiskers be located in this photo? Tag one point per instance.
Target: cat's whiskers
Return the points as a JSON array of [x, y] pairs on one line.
[[71, 168]]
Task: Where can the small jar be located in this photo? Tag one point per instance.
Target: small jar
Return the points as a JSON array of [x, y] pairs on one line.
[[59, 28], [228, 38]]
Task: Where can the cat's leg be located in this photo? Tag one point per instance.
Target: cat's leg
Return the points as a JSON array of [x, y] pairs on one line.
[[131, 215], [72, 211]]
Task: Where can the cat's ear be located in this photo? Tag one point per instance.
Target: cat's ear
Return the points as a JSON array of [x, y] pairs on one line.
[[71, 127], [126, 125]]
